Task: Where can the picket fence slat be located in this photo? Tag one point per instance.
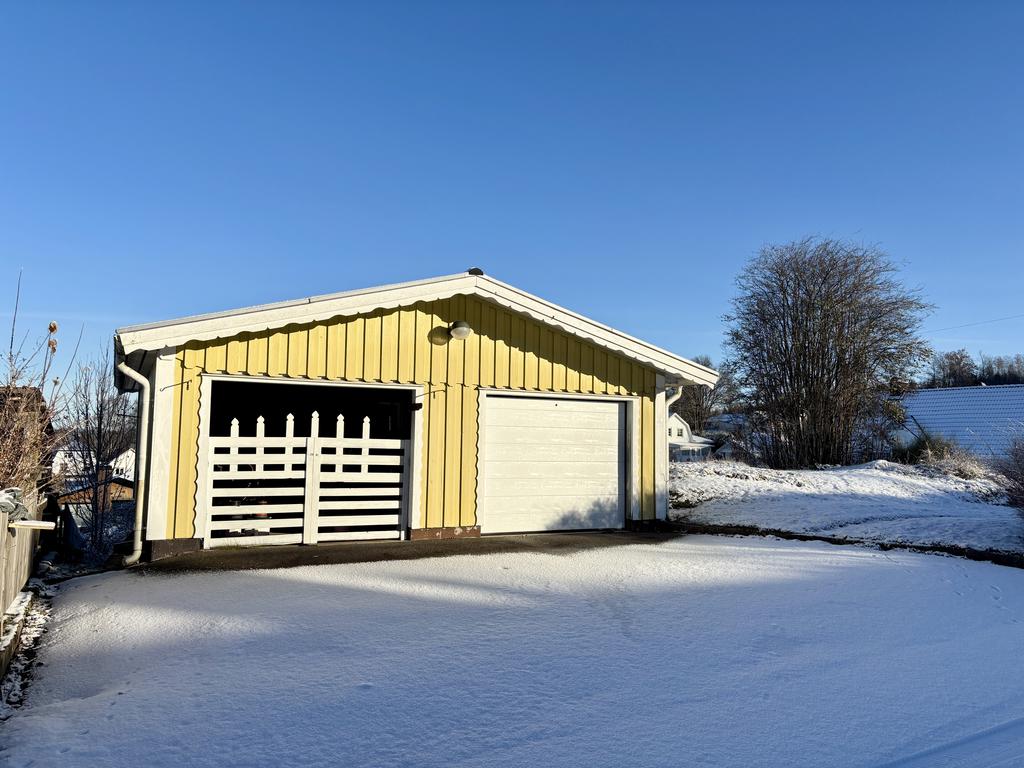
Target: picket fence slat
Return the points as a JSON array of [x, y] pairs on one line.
[[256, 509], [334, 506], [358, 535], [218, 493], [260, 474], [358, 477], [327, 494], [353, 521], [254, 523], [248, 541]]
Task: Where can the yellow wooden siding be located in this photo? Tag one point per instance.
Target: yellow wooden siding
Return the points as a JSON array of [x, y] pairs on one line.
[[410, 345]]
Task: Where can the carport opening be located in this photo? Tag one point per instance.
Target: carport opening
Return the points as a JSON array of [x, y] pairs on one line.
[[390, 410], [260, 486]]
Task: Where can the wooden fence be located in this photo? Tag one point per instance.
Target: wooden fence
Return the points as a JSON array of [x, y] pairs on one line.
[[17, 550], [265, 489]]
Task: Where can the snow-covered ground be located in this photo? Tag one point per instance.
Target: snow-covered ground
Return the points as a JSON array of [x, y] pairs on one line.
[[702, 651], [877, 502]]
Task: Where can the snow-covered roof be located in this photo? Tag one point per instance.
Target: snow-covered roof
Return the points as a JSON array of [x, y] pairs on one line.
[[689, 440], [983, 420], [138, 341]]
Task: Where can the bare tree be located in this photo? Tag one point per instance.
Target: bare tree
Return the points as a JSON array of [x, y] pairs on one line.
[[953, 369], [819, 329], [1001, 370], [699, 403], [26, 413], [100, 428]]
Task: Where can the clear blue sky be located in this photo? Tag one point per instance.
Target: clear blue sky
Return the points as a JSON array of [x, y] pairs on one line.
[[622, 159]]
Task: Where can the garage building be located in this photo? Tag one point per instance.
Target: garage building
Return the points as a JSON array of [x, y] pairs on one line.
[[455, 406]]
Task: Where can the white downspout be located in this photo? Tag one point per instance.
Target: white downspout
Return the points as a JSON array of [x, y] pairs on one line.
[[672, 398], [141, 461]]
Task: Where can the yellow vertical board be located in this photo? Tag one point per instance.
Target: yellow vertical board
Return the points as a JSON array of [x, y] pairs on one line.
[[572, 365], [454, 391], [517, 356], [453, 456], [617, 365], [371, 348], [455, 348], [354, 348], [256, 359], [502, 352], [559, 350], [216, 358], [488, 330], [188, 444], [544, 359], [277, 354], [406, 343], [235, 356], [316, 357], [389, 346], [335, 350], [637, 383], [586, 368], [600, 371], [422, 346], [471, 364], [470, 427], [438, 347], [298, 351], [531, 365]]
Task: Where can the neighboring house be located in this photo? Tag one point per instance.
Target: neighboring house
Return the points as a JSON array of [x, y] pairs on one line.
[[461, 405], [67, 462], [77, 496], [683, 445], [983, 420]]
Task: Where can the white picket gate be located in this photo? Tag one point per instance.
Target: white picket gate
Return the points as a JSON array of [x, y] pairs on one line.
[[289, 490]]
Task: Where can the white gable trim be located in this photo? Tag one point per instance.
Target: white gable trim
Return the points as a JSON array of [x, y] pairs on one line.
[[174, 333]]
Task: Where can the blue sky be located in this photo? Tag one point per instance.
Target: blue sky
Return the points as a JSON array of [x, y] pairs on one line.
[[621, 159]]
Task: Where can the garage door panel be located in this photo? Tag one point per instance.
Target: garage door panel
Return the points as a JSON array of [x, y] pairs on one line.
[[552, 464], [560, 419], [541, 470], [510, 435], [539, 514], [562, 486], [498, 455]]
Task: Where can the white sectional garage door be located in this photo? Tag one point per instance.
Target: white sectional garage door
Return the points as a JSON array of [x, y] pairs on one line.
[[552, 464]]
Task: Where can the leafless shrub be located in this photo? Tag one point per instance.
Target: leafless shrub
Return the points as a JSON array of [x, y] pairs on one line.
[[27, 438], [817, 332], [960, 463], [1012, 468]]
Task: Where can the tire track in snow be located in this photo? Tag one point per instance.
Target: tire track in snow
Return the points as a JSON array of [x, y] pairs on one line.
[[995, 747]]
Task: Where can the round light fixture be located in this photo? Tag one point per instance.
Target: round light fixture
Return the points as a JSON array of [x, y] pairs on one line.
[[460, 330]]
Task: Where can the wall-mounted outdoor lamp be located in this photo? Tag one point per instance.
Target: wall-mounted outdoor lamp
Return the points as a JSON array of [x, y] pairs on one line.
[[459, 330]]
